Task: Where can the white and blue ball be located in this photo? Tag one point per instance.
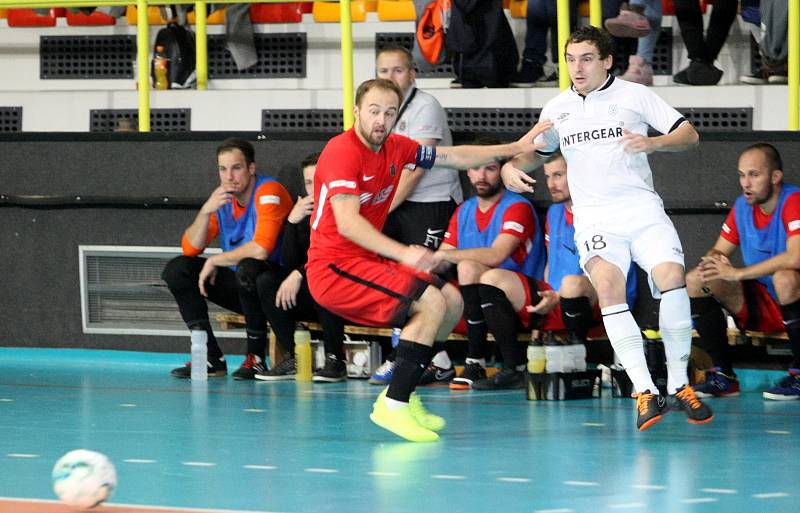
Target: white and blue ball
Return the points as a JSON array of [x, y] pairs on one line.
[[84, 478]]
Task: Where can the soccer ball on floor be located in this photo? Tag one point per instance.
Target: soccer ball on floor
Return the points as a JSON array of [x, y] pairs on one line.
[[84, 478]]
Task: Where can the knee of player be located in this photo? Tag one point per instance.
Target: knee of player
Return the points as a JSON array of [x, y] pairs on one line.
[[454, 301], [786, 283], [668, 276], [432, 301], [695, 283], [574, 285], [177, 271], [247, 272], [469, 272]]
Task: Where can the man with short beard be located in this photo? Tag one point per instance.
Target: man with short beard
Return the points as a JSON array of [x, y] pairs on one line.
[[763, 295], [497, 247]]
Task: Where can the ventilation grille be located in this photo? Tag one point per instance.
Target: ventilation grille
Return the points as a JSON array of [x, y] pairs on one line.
[[406, 39], [161, 120], [122, 292], [81, 57], [731, 119], [279, 56], [10, 119], [302, 121], [492, 120]]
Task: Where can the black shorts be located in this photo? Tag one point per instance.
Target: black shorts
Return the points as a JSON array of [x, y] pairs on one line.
[[420, 223]]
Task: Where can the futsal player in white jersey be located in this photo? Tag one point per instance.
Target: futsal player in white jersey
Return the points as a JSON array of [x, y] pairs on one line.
[[600, 125]]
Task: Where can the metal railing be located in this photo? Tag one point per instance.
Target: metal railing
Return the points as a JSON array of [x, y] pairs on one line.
[[143, 46]]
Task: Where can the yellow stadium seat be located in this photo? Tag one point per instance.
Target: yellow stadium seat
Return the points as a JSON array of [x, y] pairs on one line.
[[153, 16], [215, 18], [518, 8], [371, 5], [328, 12], [396, 10]]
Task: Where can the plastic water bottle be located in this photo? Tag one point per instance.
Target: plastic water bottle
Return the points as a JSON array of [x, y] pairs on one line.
[[536, 357], [396, 336], [302, 353], [579, 356], [199, 355], [554, 356], [160, 69]]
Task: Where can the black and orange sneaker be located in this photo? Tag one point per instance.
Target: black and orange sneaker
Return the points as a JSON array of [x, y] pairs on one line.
[[471, 373], [651, 408], [252, 365], [685, 399]]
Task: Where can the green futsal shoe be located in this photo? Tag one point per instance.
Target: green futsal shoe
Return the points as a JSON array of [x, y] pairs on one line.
[[400, 421], [425, 418]]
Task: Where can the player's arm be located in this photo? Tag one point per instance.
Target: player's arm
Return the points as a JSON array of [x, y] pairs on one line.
[[789, 259], [493, 256], [354, 227], [197, 234], [682, 138], [471, 156], [409, 178]]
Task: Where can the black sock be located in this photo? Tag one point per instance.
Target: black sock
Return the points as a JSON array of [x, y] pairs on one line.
[[476, 324], [503, 324], [409, 364], [576, 312], [257, 343], [214, 352], [711, 325], [791, 319]]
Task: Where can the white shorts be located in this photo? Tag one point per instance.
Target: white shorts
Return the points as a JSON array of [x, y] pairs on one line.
[[647, 237]]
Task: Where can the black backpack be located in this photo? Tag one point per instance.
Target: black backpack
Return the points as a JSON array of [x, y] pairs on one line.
[[178, 43]]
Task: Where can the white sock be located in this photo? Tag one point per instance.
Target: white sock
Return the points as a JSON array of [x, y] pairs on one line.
[[442, 360], [675, 323], [394, 404], [626, 339], [480, 361]]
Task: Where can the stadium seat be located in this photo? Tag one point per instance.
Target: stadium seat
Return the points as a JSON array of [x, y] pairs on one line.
[[29, 18], [371, 5], [328, 12], [518, 8], [669, 6], [153, 16], [97, 18], [215, 18], [290, 12], [3, 13], [396, 10]]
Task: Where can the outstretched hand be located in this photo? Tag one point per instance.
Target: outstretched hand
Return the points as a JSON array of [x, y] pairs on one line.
[[549, 300], [516, 180], [527, 143]]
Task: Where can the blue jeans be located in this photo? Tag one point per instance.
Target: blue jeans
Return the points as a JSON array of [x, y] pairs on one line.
[[653, 11]]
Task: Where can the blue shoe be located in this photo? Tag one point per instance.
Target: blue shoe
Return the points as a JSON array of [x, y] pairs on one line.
[[717, 384], [787, 389], [383, 374]]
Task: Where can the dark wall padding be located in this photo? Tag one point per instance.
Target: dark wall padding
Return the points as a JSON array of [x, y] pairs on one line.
[[40, 306]]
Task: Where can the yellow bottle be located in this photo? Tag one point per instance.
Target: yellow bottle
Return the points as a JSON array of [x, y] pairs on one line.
[[302, 354], [160, 69]]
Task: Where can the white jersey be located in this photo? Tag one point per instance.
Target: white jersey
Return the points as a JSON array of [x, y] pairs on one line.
[[424, 118], [604, 180]]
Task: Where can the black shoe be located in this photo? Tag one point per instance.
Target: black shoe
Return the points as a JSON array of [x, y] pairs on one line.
[[252, 365], [527, 76], [651, 408], [685, 399], [434, 374], [285, 370], [699, 73], [216, 369], [469, 374], [681, 77], [333, 371], [506, 379]]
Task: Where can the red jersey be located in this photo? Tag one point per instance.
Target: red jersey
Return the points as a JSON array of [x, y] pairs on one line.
[[790, 217], [348, 166]]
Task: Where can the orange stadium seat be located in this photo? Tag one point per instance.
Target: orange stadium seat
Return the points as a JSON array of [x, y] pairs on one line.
[[371, 5], [153, 16], [290, 12], [518, 8], [669, 6], [29, 18], [215, 18], [328, 12], [396, 10], [3, 13], [95, 19]]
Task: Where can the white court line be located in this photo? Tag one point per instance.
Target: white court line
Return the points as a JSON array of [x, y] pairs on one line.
[[383, 474], [778, 432], [627, 505], [198, 464], [718, 490], [450, 477], [127, 405], [699, 500], [593, 424], [514, 479], [557, 510], [260, 467], [6, 400], [21, 455], [322, 470], [135, 460], [649, 487], [774, 495], [254, 410], [114, 505], [581, 483]]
